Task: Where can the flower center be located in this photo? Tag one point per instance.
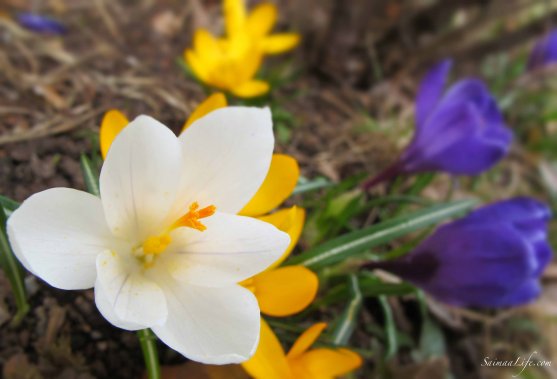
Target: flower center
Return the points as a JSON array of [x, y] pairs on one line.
[[153, 246], [156, 245]]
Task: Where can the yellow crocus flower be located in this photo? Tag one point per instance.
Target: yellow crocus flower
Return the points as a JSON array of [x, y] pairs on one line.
[[257, 26], [281, 291], [270, 361], [229, 64]]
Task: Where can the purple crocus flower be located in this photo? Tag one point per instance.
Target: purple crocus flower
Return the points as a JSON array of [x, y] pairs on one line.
[[491, 258], [40, 24], [460, 131], [544, 52]]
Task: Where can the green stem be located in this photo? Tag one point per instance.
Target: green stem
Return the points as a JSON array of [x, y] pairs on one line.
[[390, 328], [148, 342], [13, 271]]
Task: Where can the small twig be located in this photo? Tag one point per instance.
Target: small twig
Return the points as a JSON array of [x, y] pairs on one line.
[[50, 128], [108, 20]]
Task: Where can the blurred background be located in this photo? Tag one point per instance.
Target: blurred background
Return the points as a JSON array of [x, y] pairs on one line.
[[343, 105]]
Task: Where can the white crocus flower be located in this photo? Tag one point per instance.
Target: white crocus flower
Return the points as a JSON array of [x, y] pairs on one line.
[[163, 246]]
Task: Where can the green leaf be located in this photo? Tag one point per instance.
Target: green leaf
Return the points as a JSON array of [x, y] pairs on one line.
[[8, 204], [397, 199], [369, 285], [346, 324], [90, 175], [333, 211], [390, 328], [432, 340], [351, 244], [13, 271], [305, 185], [421, 182]]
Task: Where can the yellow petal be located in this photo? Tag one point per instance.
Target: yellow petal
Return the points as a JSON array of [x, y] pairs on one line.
[[242, 58], [252, 88], [206, 46], [111, 125], [325, 363], [196, 65], [269, 361], [285, 290], [262, 19], [234, 16], [307, 339], [215, 101], [291, 221], [278, 186], [249, 65], [279, 43]]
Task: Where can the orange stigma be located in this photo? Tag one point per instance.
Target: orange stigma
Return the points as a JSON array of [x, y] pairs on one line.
[[148, 252], [191, 219]]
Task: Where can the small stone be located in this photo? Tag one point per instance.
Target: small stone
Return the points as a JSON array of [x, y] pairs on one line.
[[96, 335], [102, 346], [31, 285]]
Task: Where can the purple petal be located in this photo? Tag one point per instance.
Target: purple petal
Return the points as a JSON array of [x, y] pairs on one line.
[[472, 154], [544, 52], [41, 24], [447, 125], [463, 249], [430, 90], [465, 134], [518, 209], [457, 139], [544, 255], [525, 293], [491, 258], [473, 91], [469, 156], [491, 297], [478, 266]]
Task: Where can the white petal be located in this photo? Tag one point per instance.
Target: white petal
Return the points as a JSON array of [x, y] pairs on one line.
[[226, 157], [231, 249], [211, 325], [135, 298], [58, 233], [107, 310], [18, 252], [139, 178]]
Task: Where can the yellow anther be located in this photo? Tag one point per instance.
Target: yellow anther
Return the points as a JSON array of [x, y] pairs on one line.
[[153, 246], [191, 219], [156, 245]]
